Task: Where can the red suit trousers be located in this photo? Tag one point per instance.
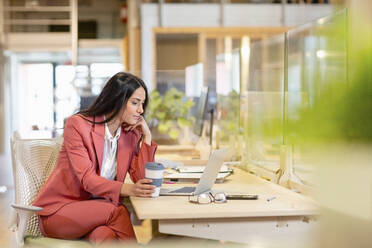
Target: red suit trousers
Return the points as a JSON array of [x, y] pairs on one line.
[[97, 220]]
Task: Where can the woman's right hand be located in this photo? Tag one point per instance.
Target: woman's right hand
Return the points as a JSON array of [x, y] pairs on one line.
[[141, 188], [144, 129]]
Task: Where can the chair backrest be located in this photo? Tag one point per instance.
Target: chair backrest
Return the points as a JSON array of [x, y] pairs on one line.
[[33, 160]]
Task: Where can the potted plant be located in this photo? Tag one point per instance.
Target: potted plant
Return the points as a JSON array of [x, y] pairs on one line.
[[169, 114]]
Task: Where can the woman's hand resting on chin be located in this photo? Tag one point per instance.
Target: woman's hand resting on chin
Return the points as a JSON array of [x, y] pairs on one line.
[[143, 127]]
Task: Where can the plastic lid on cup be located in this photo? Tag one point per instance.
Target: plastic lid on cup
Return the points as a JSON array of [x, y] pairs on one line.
[[154, 166]]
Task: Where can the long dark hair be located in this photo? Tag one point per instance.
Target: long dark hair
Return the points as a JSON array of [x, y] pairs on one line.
[[116, 93]]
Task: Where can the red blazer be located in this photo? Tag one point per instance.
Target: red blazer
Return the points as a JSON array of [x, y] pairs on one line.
[[77, 173]]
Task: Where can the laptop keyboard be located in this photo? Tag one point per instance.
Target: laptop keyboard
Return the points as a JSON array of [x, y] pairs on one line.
[[184, 190]]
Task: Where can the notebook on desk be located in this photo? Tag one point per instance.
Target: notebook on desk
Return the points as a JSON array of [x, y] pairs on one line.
[[207, 179], [200, 169], [177, 176]]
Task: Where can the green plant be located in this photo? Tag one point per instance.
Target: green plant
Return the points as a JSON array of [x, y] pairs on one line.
[[229, 112], [169, 113]]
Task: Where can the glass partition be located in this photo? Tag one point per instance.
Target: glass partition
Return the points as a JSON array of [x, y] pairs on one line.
[[167, 79], [228, 106], [173, 104], [262, 102], [280, 78], [317, 57], [77, 87]]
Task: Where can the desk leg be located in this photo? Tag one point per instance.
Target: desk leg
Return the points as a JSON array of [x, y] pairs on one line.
[[146, 230], [143, 231], [296, 231]]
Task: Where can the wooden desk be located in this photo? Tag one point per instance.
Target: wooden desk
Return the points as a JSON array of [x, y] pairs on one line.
[[288, 219]]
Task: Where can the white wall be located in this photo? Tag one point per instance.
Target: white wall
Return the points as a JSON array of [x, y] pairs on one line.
[[208, 15], [190, 15], [149, 20]]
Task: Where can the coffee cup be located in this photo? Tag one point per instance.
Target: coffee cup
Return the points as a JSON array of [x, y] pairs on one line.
[[154, 171]]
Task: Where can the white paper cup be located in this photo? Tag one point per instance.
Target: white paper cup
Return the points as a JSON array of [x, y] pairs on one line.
[[154, 171]]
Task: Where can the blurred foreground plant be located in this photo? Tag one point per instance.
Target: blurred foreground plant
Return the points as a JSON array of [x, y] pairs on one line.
[[336, 102], [342, 110]]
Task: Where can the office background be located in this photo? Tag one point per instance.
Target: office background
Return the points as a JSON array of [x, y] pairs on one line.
[[278, 72]]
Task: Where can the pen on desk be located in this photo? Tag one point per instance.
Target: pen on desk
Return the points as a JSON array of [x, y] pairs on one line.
[[169, 182], [271, 198]]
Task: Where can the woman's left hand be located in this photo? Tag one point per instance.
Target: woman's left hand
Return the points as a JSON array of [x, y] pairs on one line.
[[143, 127]]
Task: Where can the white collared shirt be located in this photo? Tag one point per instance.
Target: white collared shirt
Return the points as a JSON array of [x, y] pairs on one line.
[[108, 169]]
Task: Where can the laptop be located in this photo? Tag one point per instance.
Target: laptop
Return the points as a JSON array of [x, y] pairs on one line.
[[207, 179]]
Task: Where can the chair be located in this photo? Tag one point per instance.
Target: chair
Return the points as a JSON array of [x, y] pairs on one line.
[[32, 160]]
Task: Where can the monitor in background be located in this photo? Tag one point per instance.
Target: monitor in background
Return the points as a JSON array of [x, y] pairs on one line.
[[86, 101], [201, 111]]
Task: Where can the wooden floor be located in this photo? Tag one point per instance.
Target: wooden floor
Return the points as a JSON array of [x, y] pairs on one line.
[[7, 237]]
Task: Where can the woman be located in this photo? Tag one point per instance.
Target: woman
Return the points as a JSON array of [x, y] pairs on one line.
[[82, 196]]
